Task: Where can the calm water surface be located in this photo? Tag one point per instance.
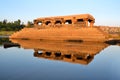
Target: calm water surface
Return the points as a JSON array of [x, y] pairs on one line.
[[41, 60]]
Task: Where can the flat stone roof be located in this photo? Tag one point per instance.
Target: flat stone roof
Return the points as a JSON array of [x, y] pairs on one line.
[[77, 16]]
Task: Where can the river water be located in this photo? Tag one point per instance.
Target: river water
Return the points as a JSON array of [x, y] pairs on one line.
[[57, 60]]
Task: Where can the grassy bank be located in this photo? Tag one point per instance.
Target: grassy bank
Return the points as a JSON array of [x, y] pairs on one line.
[[6, 33]]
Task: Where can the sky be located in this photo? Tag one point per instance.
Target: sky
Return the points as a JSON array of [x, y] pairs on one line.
[[105, 12]]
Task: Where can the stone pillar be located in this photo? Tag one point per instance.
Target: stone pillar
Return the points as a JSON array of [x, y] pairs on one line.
[[73, 20], [43, 23], [62, 21], [86, 22], [35, 22], [91, 24], [53, 23]]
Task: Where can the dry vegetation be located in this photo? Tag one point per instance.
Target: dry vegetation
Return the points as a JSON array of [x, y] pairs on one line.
[[6, 33], [114, 32]]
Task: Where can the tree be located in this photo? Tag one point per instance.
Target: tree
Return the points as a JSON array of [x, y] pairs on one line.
[[11, 26], [29, 24], [5, 21], [19, 21]]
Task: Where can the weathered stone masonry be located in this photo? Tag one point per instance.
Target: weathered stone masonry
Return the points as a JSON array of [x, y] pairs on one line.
[[83, 20], [73, 27]]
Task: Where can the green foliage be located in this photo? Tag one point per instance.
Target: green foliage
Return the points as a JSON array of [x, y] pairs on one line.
[[3, 40], [29, 24], [11, 26]]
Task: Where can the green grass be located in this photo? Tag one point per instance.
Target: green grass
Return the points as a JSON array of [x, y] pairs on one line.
[[6, 33]]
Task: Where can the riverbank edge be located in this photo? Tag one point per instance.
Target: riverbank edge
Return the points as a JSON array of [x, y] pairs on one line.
[[6, 33]]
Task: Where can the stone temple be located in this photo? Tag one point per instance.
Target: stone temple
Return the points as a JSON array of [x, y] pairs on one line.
[[82, 20], [72, 27]]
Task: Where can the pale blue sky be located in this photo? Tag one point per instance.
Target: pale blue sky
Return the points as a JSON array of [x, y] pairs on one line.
[[106, 12]]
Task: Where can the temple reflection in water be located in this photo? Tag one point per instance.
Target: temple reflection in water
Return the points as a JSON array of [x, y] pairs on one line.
[[73, 52]]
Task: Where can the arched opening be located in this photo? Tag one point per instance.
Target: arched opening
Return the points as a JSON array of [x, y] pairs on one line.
[[68, 22], [81, 23], [68, 56], [39, 23], [38, 53], [79, 57], [47, 22], [89, 20], [80, 20], [57, 54], [48, 53], [58, 22]]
